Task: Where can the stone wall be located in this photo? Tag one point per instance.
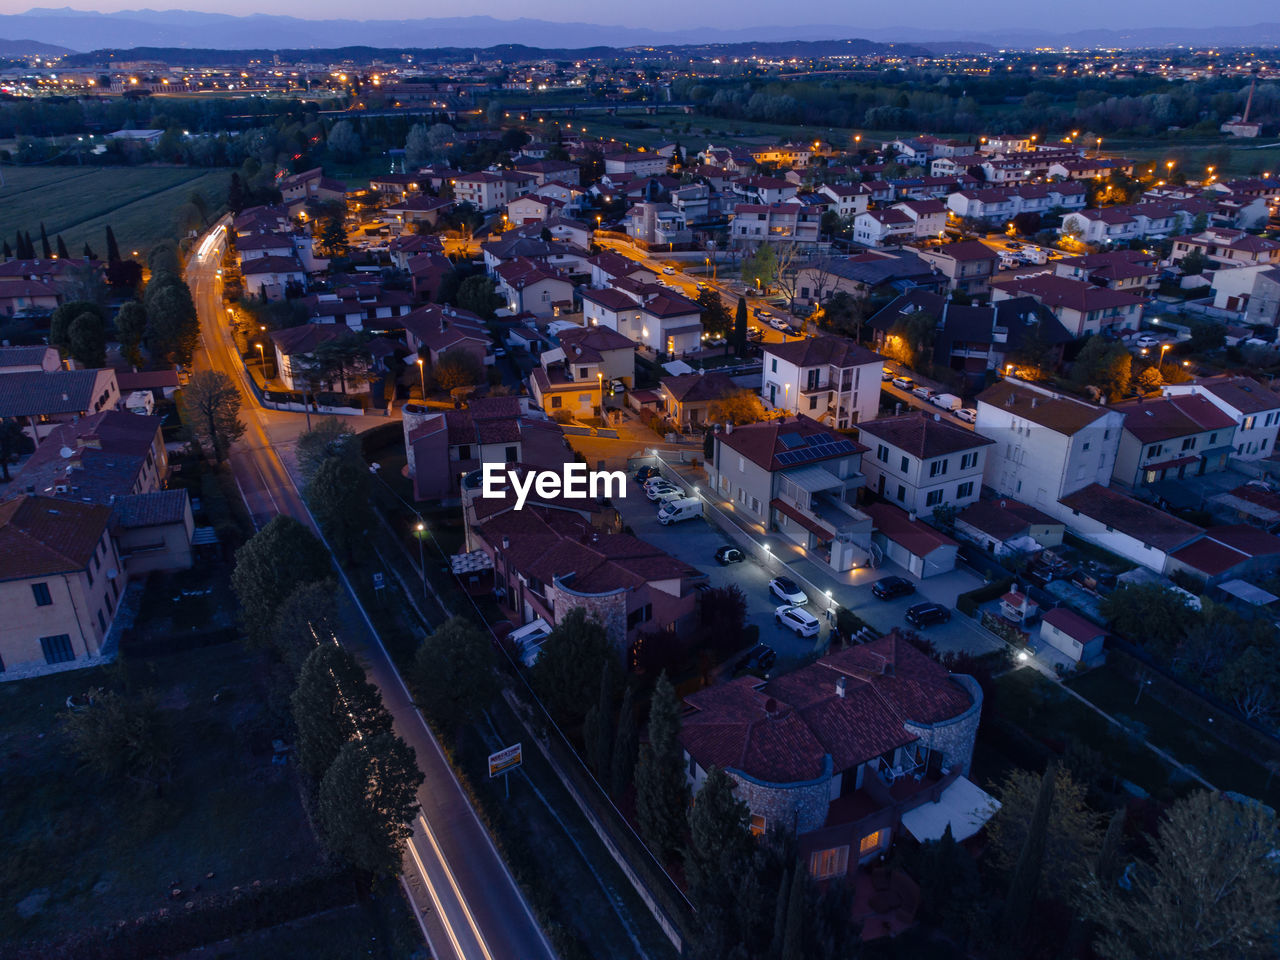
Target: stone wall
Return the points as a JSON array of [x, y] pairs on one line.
[[609, 608], [414, 415], [798, 807], [954, 738]]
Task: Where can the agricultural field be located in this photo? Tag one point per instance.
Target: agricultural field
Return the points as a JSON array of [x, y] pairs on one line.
[[143, 205]]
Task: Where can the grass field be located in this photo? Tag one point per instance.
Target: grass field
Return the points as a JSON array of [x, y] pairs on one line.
[[141, 204]]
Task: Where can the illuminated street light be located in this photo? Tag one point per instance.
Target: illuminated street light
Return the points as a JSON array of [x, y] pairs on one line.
[[422, 378]]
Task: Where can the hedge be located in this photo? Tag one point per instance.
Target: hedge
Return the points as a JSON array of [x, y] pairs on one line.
[[968, 603]]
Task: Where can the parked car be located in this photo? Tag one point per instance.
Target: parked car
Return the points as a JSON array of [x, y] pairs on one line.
[[669, 271], [885, 374], [1147, 340], [680, 508], [645, 474], [967, 414], [786, 590], [947, 401], [799, 621], [923, 392], [655, 478], [727, 555], [657, 490], [716, 342], [700, 285], [666, 498], [760, 657], [617, 386], [927, 614], [888, 588], [755, 333], [778, 323], [903, 383]]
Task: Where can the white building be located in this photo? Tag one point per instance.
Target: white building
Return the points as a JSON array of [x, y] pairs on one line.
[[830, 379], [920, 461], [1047, 445], [1254, 407]]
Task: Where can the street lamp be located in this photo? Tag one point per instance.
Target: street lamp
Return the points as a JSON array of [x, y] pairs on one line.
[[421, 529], [600, 381], [262, 360], [422, 379], [1163, 348]]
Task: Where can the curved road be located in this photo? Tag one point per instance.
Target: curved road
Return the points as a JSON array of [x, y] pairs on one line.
[[466, 900]]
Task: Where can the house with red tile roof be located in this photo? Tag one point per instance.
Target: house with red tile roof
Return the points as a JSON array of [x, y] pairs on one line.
[[98, 458], [840, 752], [688, 398], [1005, 526], [533, 287], [1127, 527], [828, 378], [798, 478], [1170, 438], [1128, 270], [39, 401], [418, 208], [1251, 404], [295, 349], [968, 265], [1229, 552], [920, 461], [61, 581], [576, 375], [272, 277], [1227, 248], [921, 550], [1083, 308], [432, 330], [1070, 634]]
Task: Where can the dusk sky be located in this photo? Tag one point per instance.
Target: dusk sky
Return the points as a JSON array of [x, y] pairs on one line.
[[679, 14]]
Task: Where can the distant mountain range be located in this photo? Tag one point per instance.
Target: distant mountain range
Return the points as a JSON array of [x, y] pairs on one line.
[[85, 31], [30, 48]]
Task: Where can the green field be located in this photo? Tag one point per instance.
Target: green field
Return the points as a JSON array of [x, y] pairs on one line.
[[141, 204]]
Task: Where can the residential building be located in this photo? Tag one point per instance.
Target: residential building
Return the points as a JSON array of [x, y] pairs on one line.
[[756, 223], [154, 531], [1234, 551], [360, 308], [1130, 271], [1251, 293], [40, 401], [921, 550], [1081, 307], [20, 298], [1171, 438], [842, 751], [636, 164], [532, 287], [998, 205], [98, 459], [488, 190], [1126, 527], [1080, 640], [878, 228], [295, 350], [61, 580], [576, 376], [1047, 445], [254, 246], [689, 397], [657, 224], [311, 185], [968, 265], [433, 330], [418, 209], [764, 190], [920, 462], [1253, 407], [1007, 527], [800, 479], [1227, 248], [532, 208], [37, 359], [929, 217], [273, 278], [875, 272], [849, 199], [826, 378]]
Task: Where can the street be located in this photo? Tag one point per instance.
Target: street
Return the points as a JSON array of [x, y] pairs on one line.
[[468, 903]]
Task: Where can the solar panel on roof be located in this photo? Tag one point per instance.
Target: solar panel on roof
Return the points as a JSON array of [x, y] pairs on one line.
[[791, 440]]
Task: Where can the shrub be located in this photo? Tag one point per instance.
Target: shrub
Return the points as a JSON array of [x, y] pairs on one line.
[[968, 603]]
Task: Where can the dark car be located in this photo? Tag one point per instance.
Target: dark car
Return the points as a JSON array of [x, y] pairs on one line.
[[727, 555], [927, 614], [644, 473], [891, 587], [760, 657]]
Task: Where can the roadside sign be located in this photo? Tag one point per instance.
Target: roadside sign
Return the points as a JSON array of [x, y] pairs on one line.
[[504, 761], [379, 582]]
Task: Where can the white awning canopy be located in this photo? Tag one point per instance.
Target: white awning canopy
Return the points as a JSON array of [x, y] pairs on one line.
[[963, 804], [1248, 592]]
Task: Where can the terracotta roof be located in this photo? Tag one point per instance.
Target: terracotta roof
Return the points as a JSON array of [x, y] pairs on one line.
[[1003, 519], [695, 387], [40, 536], [1058, 412], [305, 337], [783, 731], [270, 265], [35, 392], [1152, 421], [158, 508], [1131, 517], [967, 250], [765, 444], [812, 351], [1224, 548], [1055, 291], [1072, 624], [146, 380], [1241, 393], [671, 305], [923, 435], [915, 536]]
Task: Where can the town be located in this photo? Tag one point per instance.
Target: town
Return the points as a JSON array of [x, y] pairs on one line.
[[793, 499]]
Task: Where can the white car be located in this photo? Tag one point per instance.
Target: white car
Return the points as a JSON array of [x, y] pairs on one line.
[[1147, 340], [655, 478], [968, 415], [903, 383], [800, 622], [923, 392], [665, 498], [660, 489], [786, 590], [778, 323], [669, 271]]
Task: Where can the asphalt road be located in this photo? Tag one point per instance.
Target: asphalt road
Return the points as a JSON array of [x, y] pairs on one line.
[[466, 900]]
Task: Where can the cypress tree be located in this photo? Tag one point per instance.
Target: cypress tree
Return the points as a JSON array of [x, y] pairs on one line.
[[793, 939], [46, 251], [780, 914], [88, 251], [8, 253], [598, 727], [623, 760], [63, 253], [1026, 873], [740, 327], [662, 795], [113, 248], [719, 835], [31, 247]]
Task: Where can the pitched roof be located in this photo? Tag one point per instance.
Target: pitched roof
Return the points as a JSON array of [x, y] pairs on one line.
[[23, 356], [305, 337], [695, 387], [1241, 393], [611, 299], [270, 265], [812, 351], [1223, 548], [916, 536], [1055, 291], [35, 392], [1152, 421], [1131, 517], [670, 305], [590, 342], [1058, 412], [773, 444], [40, 536], [782, 731], [923, 435], [1003, 519], [154, 509], [1072, 624]]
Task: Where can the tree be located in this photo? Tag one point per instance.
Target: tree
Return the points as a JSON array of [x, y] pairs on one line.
[[622, 762], [661, 792], [453, 677], [333, 238], [722, 616], [478, 294], [173, 325], [1107, 366], [273, 563], [737, 408], [740, 328], [597, 728], [367, 801], [113, 248], [715, 316], [328, 437], [910, 339], [87, 340], [13, 442], [417, 146], [457, 367], [333, 704], [1149, 614], [1071, 837], [1149, 380], [63, 253], [567, 672], [950, 888], [793, 934], [719, 830], [1209, 888], [845, 314], [1252, 682], [88, 252], [131, 327], [761, 268], [338, 494], [1025, 881], [1194, 263], [211, 406], [117, 735], [344, 141], [235, 195], [61, 318], [306, 618], [46, 251]]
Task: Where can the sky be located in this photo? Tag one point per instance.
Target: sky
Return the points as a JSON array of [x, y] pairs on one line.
[[677, 14]]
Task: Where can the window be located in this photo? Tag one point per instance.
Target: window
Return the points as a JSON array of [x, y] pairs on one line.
[[102, 621], [773, 365], [57, 649], [1189, 443], [555, 403], [464, 451], [757, 825], [88, 572], [1213, 438], [640, 615], [964, 490], [582, 373], [933, 499], [41, 591], [969, 460], [1248, 422], [1086, 445], [938, 468], [872, 842], [813, 403], [742, 464], [825, 864], [811, 380], [902, 493], [882, 453], [1154, 450], [512, 454], [905, 465]]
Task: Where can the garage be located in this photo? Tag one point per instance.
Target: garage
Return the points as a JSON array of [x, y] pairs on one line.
[[910, 542]]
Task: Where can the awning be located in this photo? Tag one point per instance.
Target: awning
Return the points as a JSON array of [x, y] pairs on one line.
[[814, 479], [1243, 590], [787, 510], [1171, 464], [964, 805]]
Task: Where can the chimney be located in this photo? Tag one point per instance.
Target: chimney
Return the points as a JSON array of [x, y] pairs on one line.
[[770, 707], [728, 428], [1035, 402], [840, 681], [506, 543]]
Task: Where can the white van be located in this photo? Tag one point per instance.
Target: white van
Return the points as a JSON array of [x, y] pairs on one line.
[[676, 510]]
